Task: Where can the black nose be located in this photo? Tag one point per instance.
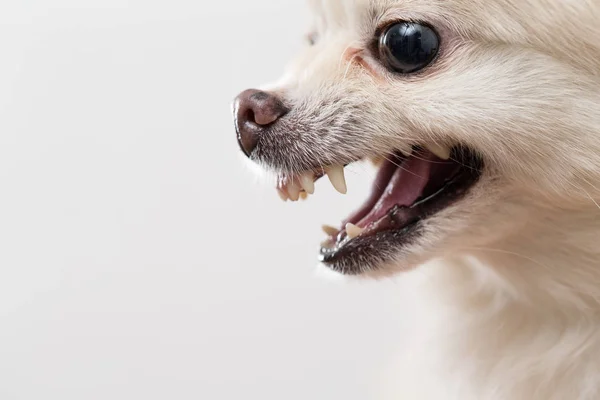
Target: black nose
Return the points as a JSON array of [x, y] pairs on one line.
[[254, 110]]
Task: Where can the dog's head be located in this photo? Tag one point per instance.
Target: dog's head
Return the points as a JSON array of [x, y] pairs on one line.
[[479, 113]]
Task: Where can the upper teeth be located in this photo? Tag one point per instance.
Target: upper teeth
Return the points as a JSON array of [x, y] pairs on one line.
[[297, 188], [294, 191], [337, 178], [304, 184], [442, 152], [307, 180]]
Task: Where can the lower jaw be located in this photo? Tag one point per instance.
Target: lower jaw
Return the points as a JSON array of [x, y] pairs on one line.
[[369, 254], [386, 239]]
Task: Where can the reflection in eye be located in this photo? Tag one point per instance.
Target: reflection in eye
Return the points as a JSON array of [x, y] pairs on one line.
[[408, 47]]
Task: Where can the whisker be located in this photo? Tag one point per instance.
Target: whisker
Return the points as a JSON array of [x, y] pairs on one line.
[[404, 169], [591, 198], [349, 65]]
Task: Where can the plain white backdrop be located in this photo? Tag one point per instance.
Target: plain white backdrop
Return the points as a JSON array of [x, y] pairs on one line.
[[139, 259]]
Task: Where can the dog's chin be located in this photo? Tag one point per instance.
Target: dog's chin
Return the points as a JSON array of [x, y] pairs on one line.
[[411, 188]]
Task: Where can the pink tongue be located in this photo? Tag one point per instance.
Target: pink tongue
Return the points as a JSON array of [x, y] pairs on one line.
[[405, 187]]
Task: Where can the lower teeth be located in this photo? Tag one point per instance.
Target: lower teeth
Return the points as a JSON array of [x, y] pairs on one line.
[[353, 231]]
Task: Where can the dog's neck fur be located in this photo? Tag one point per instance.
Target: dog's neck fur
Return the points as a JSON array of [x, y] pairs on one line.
[[545, 262], [534, 294]]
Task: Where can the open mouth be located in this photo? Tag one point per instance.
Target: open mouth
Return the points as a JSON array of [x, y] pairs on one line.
[[410, 187]]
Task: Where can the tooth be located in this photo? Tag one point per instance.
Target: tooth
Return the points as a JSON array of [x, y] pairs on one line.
[[330, 230], [442, 152], [337, 178], [308, 182], [293, 191], [282, 195], [303, 195], [353, 230]]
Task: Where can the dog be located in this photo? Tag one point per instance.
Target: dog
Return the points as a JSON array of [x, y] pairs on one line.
[[483, 119]]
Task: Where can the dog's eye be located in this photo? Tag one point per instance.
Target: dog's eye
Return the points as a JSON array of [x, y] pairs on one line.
[[408, 47]]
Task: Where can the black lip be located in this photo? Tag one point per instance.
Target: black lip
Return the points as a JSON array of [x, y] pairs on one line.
[[401, 226], [369, 253]]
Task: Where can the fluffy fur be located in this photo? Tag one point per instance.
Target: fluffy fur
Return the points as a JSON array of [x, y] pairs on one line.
[[510, 308]]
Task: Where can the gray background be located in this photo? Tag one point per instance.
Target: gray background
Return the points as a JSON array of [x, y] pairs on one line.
[[139, 258]]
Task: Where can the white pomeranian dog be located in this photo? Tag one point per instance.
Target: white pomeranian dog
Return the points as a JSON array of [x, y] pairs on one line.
[[483, 117]]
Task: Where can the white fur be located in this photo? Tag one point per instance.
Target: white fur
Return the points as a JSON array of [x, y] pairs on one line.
[[511, 309]]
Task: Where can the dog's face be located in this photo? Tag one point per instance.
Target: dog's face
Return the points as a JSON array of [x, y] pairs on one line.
[[481, 114]]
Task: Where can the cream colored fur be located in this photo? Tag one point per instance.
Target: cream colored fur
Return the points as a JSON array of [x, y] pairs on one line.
[[511, 307]]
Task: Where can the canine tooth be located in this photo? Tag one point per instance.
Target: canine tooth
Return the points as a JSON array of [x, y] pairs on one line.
[[337, 178], [353, 230], [329, 230], [308, 182], [293, 191], [442, 152]]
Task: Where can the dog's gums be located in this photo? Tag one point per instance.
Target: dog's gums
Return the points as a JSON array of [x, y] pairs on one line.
[[409, 187], [405, 191]]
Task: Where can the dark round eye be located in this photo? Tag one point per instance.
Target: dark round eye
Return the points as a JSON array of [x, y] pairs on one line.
[[408, 47]]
